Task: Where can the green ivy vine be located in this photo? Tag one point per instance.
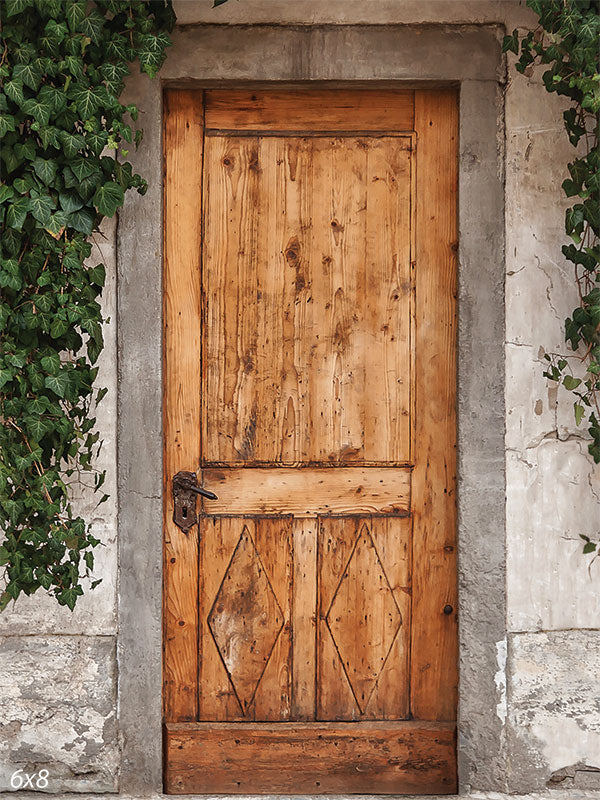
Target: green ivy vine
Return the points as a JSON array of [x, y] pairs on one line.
[[64, 137], [567, 40]]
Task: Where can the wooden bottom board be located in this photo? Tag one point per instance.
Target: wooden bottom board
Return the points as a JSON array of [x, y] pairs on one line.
[[310, 758]]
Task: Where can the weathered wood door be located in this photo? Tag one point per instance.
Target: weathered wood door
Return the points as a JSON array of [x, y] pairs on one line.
[[310, 634]]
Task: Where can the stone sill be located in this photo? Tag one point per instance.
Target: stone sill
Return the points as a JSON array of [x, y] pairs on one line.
[[551, 794]]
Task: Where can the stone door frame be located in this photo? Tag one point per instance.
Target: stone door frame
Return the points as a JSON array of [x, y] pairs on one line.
[[225, 55]]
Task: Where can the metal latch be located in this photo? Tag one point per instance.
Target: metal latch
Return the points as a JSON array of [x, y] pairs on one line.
[[185, 489]]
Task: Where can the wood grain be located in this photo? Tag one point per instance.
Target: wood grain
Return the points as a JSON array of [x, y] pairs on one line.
[[304, 619], [310, 378], [308, 491], [310, 110], [363, 618], [434, 650], [304, 758], [245, 631], [308, 303], [181, 401]]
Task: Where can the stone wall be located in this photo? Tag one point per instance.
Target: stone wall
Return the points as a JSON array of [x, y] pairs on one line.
[[58, 670]]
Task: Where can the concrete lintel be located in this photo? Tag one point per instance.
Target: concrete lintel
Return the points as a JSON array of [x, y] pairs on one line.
[[327, 52], [209, 55]]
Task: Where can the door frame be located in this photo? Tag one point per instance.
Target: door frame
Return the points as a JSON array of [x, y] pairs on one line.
[[339, 55]]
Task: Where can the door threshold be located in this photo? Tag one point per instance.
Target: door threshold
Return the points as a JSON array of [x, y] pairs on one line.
[[309, 758]]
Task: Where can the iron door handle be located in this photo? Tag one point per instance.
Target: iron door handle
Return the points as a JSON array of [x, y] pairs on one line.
[[185, 489], [204, 492]]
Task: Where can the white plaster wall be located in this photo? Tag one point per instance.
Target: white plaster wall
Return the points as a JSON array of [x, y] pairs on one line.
[[553, 489]]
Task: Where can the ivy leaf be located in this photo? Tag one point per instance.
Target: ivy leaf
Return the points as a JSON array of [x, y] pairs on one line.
[[49, 137], [6, 375], [82, 167], [51, 364], [54, 98], [14, 91], [75, 67], [37, 427], [58, 328], [108, 198], [58, 222], [41, 207], [589, 547], [68, 597], [97, 275], [29, 74], [97, 141], [57, 383], [17, 213], [7, 124], [45, 169], [38, 109], [92, 26], [82, 221], [72, 143], [6, 192], [88, 101], [70, 201], [510, 43], [26, 150], [113, 74], [16, 6], [571, 383], [75, 11]]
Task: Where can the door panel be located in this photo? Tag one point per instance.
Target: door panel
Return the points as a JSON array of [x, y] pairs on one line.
[[308, 300], [364, 618], [245, 632], [310, 278]]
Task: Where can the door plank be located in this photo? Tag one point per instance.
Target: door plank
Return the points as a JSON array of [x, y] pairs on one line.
[[392, 537], [308, 491], [434, 652], [284, 254], [275, 543], [304, 622], [230, 253], [387, 301], [310, 110], [337, 364], [317, 758], [183, 137], [218, 540]]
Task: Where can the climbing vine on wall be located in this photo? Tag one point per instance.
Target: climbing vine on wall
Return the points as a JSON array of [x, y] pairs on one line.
[[567, 42], [64, 139]]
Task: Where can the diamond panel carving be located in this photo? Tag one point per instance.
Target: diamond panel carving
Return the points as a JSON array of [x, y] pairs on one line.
[[245, 620], [363, 618]]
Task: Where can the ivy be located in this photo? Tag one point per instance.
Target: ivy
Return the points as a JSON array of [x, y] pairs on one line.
[[567, 42], [62, 126]]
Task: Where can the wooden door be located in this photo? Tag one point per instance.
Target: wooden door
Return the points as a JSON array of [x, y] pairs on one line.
[[310, 632]]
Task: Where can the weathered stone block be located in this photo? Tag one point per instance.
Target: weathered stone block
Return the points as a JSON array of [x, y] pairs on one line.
[[549, 503], [554, 706], [59, 711]]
